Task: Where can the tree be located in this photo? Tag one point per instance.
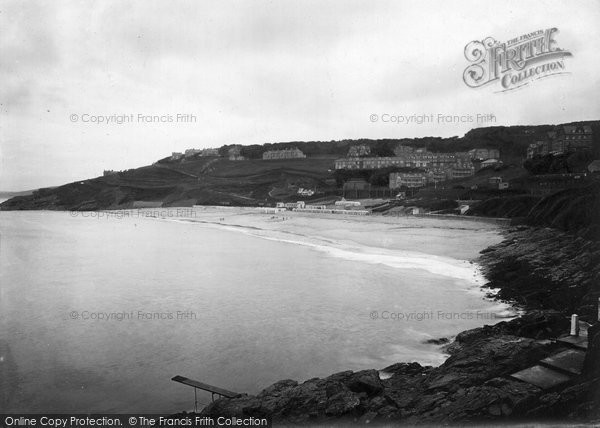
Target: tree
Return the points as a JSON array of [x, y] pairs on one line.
[[538, 164], [579, 160]]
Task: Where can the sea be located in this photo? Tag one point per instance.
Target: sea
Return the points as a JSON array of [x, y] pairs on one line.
[[97, 314]]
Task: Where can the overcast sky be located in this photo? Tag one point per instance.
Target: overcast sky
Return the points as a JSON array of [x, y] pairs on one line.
[[260, 71]]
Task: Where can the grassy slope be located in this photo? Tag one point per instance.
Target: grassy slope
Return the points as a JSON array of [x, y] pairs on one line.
[[220, 181], [202, 181], [572, 210]]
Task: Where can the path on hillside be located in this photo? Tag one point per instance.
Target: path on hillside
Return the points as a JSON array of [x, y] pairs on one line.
[[176, 170]]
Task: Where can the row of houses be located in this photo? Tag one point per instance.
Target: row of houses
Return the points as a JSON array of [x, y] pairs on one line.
[[359, 157], [408, 179], [234, 153], [194, 152], [405, 156], [484, 154], [298, 204], [333, 211], [346, 208], [422, 154], [291, 153], [429, 161], [566, 139], [436, 167], [423, 178]]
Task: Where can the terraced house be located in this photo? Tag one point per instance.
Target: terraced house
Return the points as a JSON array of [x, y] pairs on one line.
[[405, 157], [292, 153], [484, 154], [408, 179]]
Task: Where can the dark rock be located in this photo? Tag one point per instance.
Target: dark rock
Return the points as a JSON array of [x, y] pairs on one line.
[[493, 400], [495, 410], [278, 388], [377, 403], [444, 381], [472, 335], [405, 369], [440, 341], [536, 325], [365, 381], [341, 403], [542, 268], [484, 357], [572, 401]]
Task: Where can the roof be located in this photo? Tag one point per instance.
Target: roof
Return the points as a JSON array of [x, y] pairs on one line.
[[283, 150]]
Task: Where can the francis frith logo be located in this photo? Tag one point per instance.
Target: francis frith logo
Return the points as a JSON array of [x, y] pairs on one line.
[[514, 63]]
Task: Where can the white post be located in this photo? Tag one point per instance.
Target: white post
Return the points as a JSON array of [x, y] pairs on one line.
[[574, 325], [598, 308]]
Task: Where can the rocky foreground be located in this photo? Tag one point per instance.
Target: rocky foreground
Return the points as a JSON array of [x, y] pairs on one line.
[[544, 268], [550, 273]]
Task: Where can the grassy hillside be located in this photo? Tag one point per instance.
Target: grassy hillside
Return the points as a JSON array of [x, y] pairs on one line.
[[201, 181], [572, 210], [218, 181], [507, 207]]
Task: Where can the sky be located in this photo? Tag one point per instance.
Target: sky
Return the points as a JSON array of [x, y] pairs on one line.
[[253, 72]]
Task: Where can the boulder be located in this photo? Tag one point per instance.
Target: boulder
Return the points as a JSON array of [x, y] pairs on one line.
[[366, 381], [483, 357]]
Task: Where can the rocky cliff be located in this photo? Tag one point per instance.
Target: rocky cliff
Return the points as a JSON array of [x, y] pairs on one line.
[[545, 268]]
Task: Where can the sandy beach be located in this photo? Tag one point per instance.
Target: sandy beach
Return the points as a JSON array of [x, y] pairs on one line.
[[444, 237]]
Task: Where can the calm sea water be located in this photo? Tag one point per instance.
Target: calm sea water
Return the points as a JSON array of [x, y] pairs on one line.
[[98, 315]]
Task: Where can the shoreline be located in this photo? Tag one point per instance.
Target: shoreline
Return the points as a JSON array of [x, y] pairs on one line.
[[538, 269], [464, 382], [365, 232], [370, 232], [260, 222], [362, 226], [298, 228]]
